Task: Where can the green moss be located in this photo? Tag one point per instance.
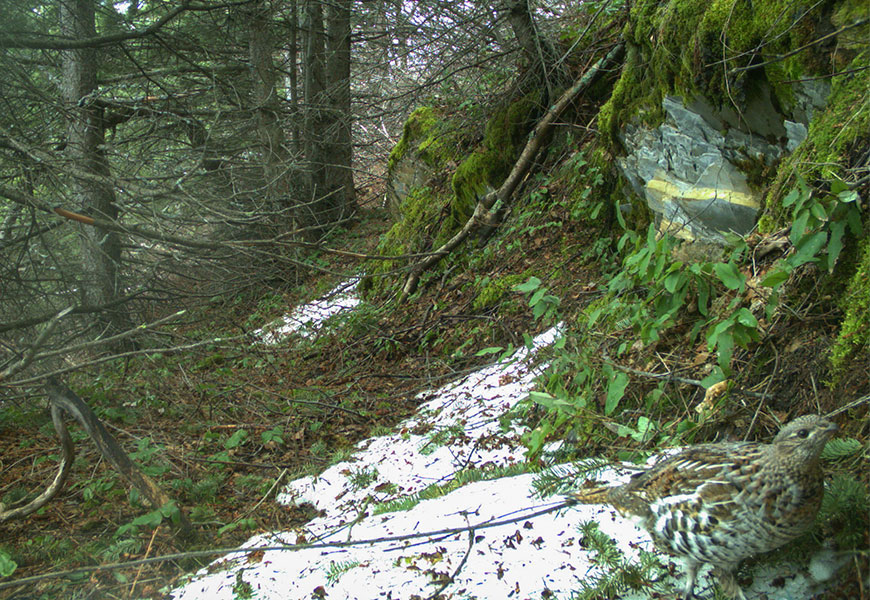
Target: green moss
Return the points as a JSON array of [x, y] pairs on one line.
[[411, 233], [439, 141], [835, 134], [471, 181], [691, 48], [628, 101], [854, 338], [736, 33], [493, 290], [854, 39], [430, 135], [488, 166]]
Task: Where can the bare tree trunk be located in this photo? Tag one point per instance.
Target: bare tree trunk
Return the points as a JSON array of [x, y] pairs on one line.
[[101, 255], [316, 119], [328, 202], [338, 77], [267, 106], [538, 50], [293, 75]]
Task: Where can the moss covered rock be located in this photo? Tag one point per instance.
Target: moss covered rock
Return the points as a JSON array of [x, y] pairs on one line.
[[491, 162], [429, 143]]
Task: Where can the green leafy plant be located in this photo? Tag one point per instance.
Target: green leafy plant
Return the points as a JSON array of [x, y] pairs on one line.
[[151, 519], [643, 432], [146, 454], [820, 222], [273, 436], [739, 328], [237, 439], [657, 285], [245, 523], [202, 489], [819, 225], [543, 304], [617, 382], [95, 489], [7, 565]]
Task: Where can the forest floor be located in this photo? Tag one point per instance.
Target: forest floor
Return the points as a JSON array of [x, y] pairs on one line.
[[224, 427]]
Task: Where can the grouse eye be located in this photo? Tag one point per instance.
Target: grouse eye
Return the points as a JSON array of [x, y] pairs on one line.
[[803, 433]]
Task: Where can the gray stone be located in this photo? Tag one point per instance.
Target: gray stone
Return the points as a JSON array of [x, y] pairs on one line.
[[796, 133], [810, 96], [689, 168], [408, 173]]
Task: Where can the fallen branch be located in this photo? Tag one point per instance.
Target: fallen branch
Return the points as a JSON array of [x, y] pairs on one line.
[[251, 550], [484, 213], [64, 399], [63, 470]]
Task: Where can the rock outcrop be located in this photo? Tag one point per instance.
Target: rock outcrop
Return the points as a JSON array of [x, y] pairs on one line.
[[694, 170]]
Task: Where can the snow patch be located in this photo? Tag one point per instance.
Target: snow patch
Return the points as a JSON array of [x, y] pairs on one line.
[[458, 428], [306, 320]]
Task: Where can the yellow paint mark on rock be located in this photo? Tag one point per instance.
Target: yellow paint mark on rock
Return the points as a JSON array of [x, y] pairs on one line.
[[665, 191]]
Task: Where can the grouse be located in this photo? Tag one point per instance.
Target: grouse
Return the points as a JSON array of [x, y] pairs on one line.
[[720, 503]]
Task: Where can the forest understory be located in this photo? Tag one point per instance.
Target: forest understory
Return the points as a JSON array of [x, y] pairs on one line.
[[175, 178]]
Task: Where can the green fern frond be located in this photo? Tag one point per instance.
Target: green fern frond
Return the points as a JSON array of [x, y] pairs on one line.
[[838, 448], [337, 569], [566, 478]]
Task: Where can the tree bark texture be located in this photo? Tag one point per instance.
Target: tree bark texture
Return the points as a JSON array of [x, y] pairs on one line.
[[327, 202], [101, 249], [537, 49], [63, 398], [338, 78], [266, 105], [293, 71]]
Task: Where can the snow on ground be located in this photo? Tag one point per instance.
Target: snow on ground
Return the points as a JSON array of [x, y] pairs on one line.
[[307, 319], [518, 560], [534, 557], [458, 428]]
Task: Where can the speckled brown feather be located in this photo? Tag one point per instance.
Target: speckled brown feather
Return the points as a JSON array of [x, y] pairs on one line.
[[720, 503]]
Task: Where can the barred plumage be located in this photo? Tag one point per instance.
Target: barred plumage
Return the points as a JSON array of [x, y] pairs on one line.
[[721, 503]]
